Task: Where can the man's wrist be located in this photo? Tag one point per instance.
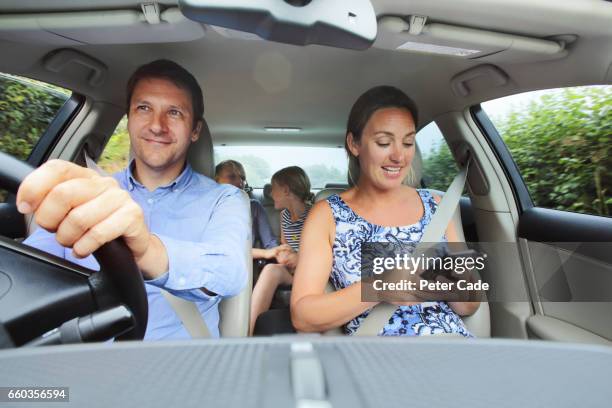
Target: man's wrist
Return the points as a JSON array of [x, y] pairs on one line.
[[154, 263]]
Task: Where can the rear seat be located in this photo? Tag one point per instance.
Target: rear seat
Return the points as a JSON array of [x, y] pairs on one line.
[[328, 191], [272, 213]]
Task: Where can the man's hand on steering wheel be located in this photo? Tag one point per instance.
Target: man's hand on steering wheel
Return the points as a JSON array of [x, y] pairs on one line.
[[86, 210]]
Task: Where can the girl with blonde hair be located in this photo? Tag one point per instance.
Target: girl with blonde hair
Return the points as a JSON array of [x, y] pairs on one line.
[[291, 194]]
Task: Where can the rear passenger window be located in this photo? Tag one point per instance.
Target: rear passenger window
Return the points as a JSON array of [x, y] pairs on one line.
[[561, 141], [439, 168], [323, 165], [116, 153], [27, 107]]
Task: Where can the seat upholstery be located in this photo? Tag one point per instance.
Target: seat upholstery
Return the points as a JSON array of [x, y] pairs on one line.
[[234, 312], [480, 322], [200, 154], [326, 192], [272, 213]]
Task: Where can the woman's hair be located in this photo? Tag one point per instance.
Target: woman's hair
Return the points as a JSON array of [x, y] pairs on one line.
[[296, 180], [229, 163], [374, 99]]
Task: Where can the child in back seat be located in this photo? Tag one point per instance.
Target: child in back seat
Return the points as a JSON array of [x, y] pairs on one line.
[[291, 194]]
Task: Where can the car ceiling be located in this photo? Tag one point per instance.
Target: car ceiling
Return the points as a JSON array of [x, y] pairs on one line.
[[251, 83]]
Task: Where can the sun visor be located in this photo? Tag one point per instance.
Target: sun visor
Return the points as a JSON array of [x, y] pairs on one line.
[[102, 27], [418, 34]]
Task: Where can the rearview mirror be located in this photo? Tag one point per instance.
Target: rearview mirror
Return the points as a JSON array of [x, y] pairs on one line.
[[337, 23]]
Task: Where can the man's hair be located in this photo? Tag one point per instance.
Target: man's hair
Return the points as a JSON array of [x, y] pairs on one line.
[[232, 164], [171, 71]]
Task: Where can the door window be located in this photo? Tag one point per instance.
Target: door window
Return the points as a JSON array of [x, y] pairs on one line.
[[561, 142], [27, 107]]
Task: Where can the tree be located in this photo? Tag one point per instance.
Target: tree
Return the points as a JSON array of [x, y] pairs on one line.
[[26, 109], [116, 153], [439, 168]]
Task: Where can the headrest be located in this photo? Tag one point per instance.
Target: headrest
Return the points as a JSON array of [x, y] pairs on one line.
[[200, 154], [337, 185], [328, 191], [267, 193], [413, 179]]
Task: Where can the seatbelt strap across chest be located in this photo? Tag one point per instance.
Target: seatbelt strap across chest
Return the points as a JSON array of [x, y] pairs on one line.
[[434, 231]]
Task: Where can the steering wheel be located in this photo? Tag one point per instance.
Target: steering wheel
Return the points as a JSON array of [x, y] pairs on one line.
[[40, 292]]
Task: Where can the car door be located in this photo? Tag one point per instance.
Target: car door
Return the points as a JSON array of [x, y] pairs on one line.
[[32, 116], [555, 147]]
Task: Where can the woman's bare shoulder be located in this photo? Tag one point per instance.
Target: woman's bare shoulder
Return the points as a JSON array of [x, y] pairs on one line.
[[348, 194], [320, 220], [320, 214]]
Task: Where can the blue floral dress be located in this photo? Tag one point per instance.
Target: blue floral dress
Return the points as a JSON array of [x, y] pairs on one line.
[[351, 231]]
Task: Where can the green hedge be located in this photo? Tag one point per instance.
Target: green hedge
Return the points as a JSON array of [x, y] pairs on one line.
[[26, 109], [562, 145]]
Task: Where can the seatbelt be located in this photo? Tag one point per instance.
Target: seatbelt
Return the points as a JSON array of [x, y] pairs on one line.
[[434, 231], [189, 314], [187, 311]]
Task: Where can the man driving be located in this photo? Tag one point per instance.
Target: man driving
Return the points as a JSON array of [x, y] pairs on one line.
[[185, 231]]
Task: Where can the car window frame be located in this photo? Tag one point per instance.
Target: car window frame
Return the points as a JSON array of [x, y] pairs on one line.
[[51, 136], [522, 198]]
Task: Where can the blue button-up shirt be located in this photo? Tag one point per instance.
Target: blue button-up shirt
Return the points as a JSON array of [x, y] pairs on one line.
[[204, 227]]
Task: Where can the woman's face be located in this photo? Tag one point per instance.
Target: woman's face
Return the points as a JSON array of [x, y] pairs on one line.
[[280, 195], [231, 175], [386, 148]]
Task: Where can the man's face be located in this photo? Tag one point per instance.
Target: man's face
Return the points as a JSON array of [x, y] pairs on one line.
[[160, 124]]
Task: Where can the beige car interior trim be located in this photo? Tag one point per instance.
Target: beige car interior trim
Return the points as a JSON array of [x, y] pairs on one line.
[[528, 267], [549, 328], [572, 287], [459, 83], [463, 42], [235, 311], [101, 27], [500, 216], [99, 123], [58, 61]]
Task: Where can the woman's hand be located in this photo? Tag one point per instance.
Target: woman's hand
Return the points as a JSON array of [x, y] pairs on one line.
[[272, 253], [287, 258], [86, 210]]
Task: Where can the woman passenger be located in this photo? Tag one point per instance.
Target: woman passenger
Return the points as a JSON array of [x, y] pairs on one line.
[[380, 142], [291, 194]]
